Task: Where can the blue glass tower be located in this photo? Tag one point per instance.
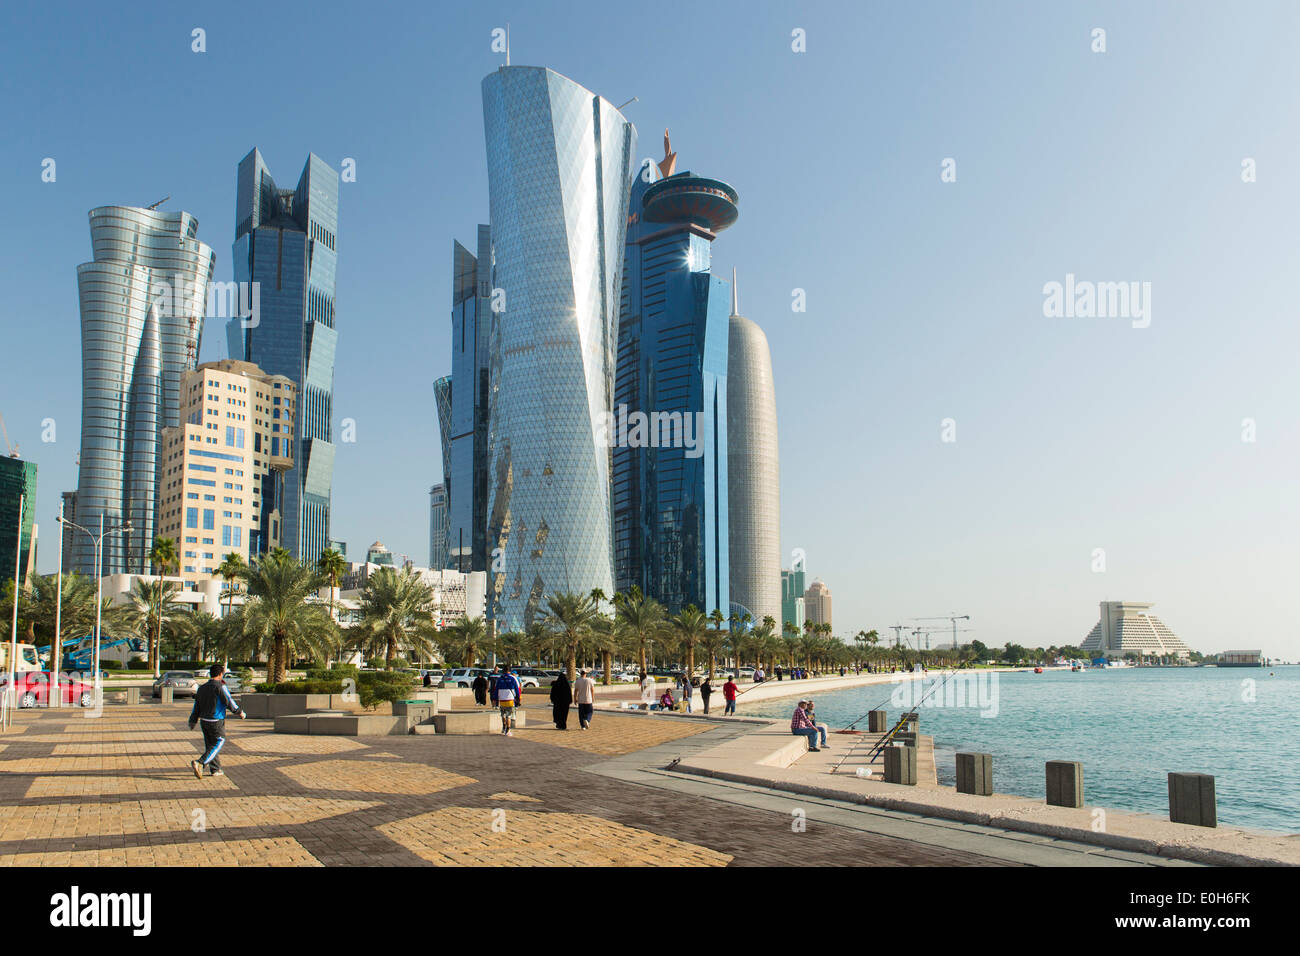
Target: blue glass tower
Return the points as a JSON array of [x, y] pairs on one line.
[[285, 243], [669, 499], [469, 397], [560, 165]]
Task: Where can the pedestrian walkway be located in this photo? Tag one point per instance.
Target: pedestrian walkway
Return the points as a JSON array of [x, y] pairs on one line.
[[117, 791]]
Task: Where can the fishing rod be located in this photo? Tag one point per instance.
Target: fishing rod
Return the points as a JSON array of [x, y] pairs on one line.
[[849, 729], [884, 741]]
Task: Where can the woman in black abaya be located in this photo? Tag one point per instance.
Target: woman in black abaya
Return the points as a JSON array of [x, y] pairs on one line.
[[561, 698]]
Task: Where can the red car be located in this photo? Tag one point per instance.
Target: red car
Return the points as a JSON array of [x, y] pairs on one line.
[[34, 689]]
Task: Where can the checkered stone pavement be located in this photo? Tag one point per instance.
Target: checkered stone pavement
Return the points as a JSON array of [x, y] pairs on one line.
[[117, 790]]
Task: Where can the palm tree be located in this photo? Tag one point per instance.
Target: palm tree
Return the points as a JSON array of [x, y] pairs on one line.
[[691, 628], [331, 566], [154, 607], [639, 620], [398, 610], [464, 639], [570, 618], [280, 610], [712, 640], [232, 566], [162, 558], [41, 604]]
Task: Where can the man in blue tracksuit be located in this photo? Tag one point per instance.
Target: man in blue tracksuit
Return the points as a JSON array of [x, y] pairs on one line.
[[508, 694], [210, 704]]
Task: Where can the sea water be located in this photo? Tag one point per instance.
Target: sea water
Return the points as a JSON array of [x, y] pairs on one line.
[[1128, 726]]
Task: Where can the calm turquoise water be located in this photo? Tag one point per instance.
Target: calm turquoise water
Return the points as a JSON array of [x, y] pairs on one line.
[[1129, 727]]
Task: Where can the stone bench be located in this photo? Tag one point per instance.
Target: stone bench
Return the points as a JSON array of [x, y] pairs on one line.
[[270, 706], [342, 724], [770, 746], [468, 722]]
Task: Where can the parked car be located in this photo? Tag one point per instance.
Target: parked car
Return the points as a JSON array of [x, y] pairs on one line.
[[33, 688], [233, 683], [182, 684], [534, 677], [463, 676]]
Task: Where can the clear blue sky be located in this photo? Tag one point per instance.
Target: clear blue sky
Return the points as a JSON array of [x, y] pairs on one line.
[[924, 299]]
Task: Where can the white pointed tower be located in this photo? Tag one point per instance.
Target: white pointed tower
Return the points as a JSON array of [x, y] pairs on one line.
[[753, 469]]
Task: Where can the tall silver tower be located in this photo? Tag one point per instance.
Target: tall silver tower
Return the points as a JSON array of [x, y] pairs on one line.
[[143, 299], [753, 469]]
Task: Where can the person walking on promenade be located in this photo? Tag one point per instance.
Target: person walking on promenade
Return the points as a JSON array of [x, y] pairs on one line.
[[561, 698], [210, 704], [777, 669], [729, 692], [507, 694], [646, 685], [687, 691], [822, 729], [480, 687], [584, 692], [706, 691], [801, 726]]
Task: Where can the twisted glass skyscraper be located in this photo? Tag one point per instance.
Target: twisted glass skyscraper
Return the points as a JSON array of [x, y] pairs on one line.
[[560, 164], [285, 245], [143, 300]]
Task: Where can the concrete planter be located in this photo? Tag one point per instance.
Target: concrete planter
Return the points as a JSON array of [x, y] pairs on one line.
[[343, 725], [270, 706]]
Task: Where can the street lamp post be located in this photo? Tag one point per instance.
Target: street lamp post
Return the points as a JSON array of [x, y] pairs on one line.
[[99, 581], [10, 689]]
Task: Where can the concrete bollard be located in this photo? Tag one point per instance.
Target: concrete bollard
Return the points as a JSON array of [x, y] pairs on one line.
[[133, 695], [877, 722], [1064, 783], [1191, 799], [975, 774], [900, 765], [166, 693]]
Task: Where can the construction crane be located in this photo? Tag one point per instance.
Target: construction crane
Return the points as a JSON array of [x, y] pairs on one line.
[[954, 618], [896, 628], [13, 449]]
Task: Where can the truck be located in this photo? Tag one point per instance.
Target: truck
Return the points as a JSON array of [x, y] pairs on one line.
[[27, 659]]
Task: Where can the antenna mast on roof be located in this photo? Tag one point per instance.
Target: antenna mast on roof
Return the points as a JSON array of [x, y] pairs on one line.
[[158, 203], [507, 44]]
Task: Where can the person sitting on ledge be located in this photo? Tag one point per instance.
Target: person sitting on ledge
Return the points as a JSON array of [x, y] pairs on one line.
[[666, 700], [812, 719], [801, 725]]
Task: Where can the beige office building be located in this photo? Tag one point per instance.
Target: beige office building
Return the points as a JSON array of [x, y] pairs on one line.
[[817, 603], [223, 468]]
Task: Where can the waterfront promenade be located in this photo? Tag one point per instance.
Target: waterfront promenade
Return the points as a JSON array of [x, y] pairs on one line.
[[118, 791]]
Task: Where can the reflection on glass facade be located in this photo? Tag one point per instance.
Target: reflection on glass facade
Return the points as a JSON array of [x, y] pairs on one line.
[[17, 488], [467, 474], [560, 165], [442, 403], [669, 496], [754, 472], [285, 242], [142, 301]]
